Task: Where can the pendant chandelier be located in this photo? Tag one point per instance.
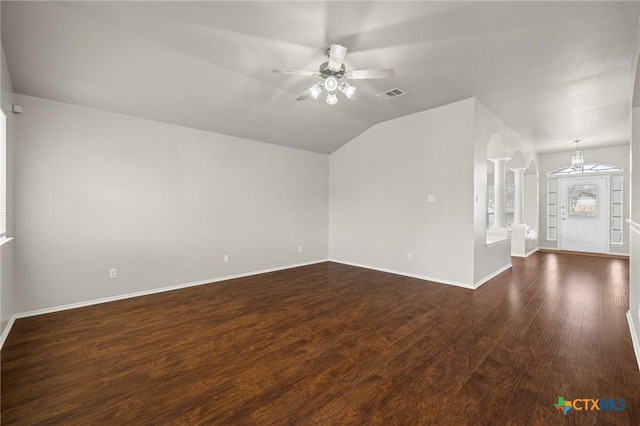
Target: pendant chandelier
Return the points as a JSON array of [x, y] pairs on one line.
[[577, 160]]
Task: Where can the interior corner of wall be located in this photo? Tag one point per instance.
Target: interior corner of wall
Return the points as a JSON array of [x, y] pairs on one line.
[[5, 75]]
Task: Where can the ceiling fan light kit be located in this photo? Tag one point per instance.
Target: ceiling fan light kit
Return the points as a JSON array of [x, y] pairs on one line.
[[347, 89], [331, 84], [316, 90], [334, 75]]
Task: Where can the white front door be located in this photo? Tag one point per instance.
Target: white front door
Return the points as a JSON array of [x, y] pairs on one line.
[[584, 214]]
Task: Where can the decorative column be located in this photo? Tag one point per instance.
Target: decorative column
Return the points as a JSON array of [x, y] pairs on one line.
[[518, 228], [498, 191], [518, 211]]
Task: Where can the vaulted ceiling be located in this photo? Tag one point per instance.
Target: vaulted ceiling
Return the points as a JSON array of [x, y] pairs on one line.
[[553, 71]]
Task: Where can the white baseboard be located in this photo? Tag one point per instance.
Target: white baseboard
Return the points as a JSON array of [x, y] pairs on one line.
[[526, 254], [492, 275], [157, 290], [406, 274], [532, 251], [6, 330], [634, 338]]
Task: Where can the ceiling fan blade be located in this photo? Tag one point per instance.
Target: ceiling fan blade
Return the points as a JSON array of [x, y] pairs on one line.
[[336, 56], [296, 72], [312, 91], [365, 74]]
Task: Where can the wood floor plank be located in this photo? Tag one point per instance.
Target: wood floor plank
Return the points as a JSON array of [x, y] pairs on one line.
[[336, 344]]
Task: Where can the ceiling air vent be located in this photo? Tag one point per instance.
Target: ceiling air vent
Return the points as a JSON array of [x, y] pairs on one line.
[[393, 93]]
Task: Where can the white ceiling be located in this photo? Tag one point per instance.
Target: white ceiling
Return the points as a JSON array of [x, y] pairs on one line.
[[553, 71]]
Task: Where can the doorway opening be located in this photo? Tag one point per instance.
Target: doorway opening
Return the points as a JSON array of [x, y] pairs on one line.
[[584, 214], [585, 210]]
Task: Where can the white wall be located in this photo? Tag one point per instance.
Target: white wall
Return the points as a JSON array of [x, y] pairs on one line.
[[378, 187], [615, 155], [634, 153], [634, 255], [531, 214], [489, 259], [531, 200], [7, 282], [162, 203], [633, 315]]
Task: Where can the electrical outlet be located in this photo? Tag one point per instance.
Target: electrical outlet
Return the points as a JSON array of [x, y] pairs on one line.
[[299, 249], [113, 273], [431, 198], [226, 258], [409, 256]]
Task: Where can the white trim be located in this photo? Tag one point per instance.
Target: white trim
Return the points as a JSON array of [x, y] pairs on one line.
[[492, 275], [615, 170], [497, 236], [532, 251], [526, 254], [7, 329], [634, 338], [634, 225], [547, 204], [5, 240], [427, 278], [407, 274], [157, 290], [496, 241]]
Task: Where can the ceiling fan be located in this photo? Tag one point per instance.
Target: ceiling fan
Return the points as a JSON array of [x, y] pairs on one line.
[[334, 76]]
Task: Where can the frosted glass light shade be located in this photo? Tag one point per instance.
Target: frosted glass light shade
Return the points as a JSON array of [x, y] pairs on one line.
[[331, 84], [577, 161], [315, 91], [347, 89]]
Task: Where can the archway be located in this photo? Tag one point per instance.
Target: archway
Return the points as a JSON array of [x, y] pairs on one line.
[[497, 156]]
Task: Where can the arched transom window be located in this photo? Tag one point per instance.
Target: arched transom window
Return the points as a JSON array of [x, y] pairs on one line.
[[588, 168]]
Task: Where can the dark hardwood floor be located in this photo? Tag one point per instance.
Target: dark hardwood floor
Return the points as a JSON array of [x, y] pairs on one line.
[[334, 344]]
